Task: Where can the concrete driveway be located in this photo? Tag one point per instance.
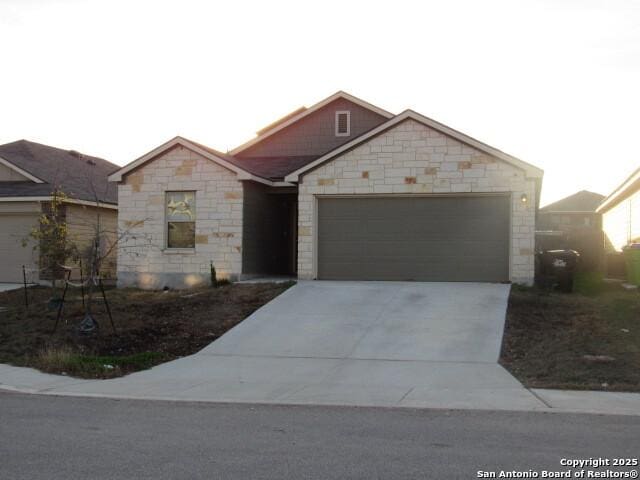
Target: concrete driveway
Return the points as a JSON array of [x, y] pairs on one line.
[[343, 343], [436, 322]]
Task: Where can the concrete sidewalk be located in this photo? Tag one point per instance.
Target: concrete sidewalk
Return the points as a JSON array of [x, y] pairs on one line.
[[5, 287], [188, 384]]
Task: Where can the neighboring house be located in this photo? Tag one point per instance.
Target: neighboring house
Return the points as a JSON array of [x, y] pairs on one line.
[[340, 190], [573, 223], [621, 213], [29, 174], [577, 211]]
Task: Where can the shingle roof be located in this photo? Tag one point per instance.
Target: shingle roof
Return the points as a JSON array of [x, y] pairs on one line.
[[274, 168], [79, 176], [270, 168], [24, 189], [583, 201], [232, 160]]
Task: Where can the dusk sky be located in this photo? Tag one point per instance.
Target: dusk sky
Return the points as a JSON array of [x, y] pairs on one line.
[[555, 83]]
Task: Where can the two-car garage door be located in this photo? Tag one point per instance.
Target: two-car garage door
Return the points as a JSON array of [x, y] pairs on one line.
[[446, 238]]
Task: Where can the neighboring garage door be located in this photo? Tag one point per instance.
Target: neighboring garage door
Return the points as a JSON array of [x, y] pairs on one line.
[[13, 229], [443, 238]]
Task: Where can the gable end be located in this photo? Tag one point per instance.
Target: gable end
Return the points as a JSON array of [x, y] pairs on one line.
[[530, 170], [306, 122]]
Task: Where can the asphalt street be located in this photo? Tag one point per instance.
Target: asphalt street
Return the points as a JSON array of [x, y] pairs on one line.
[[45, 437]]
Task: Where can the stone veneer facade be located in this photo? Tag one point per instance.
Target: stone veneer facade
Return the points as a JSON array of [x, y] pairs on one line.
[[143, 259], [412, 158]]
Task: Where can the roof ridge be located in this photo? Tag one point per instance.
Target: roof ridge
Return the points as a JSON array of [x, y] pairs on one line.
[[576, 196], [30, 143], [282, 119], [83, 176]]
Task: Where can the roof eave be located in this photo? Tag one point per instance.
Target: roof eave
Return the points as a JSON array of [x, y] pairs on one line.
[[47, 198], [117, 176], [241, 173], [619, 193], [542, 210]]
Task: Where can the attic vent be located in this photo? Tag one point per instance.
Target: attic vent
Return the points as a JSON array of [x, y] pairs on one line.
[[75, 154], [343, 123]]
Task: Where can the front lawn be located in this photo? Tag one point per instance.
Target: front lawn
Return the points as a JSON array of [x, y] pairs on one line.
[[588, 340], [151, 327]]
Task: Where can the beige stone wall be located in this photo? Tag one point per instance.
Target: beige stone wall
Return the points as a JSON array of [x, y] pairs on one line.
[[621, 224], [143, 259], [414, 159], [82, 223]]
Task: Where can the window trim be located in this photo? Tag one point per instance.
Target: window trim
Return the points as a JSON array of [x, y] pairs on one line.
[[337, 123], [166, 223]]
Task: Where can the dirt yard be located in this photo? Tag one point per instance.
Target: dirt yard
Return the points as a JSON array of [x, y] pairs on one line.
[[589, 340], [151, 327]]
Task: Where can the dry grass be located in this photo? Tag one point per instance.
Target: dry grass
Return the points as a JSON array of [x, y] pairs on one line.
[[65, 361], [152, 327], [588, 340], [54, 358]]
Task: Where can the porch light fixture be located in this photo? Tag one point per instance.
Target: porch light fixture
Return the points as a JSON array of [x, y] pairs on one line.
[[524, 198]]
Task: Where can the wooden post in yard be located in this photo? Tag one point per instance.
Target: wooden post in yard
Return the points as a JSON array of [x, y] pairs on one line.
[[24, 281]]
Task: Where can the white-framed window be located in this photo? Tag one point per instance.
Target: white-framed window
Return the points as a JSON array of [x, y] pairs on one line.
[[343, 123], [180, 208]]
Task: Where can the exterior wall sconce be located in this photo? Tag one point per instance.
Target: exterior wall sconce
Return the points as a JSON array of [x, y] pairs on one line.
[[523, 198]]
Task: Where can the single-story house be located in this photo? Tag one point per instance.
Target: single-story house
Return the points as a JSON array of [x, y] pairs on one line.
[[30, 173], [621, 213], [341, 190]]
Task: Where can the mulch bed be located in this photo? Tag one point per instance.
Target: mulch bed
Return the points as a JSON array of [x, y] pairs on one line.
[[168, 324]]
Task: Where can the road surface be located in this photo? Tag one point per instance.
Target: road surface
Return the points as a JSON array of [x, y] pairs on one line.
[[45, 437]]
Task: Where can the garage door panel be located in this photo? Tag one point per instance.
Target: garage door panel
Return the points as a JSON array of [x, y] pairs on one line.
[[342, 251], [343, 231], [14, 230], [414, 238]]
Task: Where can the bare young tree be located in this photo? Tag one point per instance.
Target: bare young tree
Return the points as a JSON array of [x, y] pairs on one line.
[[51, 235], [100, 246], [81, 236]]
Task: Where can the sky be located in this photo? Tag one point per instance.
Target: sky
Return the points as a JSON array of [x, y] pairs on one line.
[[554, 82]]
